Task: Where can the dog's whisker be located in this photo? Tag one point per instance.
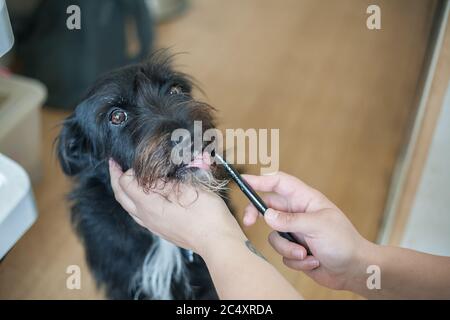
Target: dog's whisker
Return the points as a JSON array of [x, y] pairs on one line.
[[204, 179]]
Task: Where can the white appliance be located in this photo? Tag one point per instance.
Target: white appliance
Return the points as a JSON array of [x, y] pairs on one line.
[[21, 99], [6, 35], [17, 206]]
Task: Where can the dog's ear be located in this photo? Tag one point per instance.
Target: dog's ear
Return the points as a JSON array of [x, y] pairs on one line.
[[72, 148]]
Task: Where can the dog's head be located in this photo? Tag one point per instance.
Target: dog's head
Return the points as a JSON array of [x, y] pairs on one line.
[[129, 115]]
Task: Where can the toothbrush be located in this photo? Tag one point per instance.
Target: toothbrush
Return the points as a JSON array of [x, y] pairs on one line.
[[252, 195]]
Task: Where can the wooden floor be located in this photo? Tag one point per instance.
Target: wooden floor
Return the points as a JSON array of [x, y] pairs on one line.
[[340, 94]]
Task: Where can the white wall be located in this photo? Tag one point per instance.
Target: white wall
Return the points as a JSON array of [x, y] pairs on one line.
[[428, 226]]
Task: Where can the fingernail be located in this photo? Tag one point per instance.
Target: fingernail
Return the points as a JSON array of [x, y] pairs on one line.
[[298, 253], [114, 164], [314, 263], [271, 214]]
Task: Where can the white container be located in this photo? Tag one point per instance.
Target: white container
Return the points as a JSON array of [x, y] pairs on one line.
[[20, 122], [17, 209], [6, 34]]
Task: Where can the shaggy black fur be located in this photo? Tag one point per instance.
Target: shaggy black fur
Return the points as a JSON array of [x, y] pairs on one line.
[[157, 100]]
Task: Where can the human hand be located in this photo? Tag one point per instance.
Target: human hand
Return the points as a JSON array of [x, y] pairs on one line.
[[190, 218], [336, 247]]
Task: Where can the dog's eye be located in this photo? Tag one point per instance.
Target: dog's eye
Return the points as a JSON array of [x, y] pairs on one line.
[[118, 116], [175, 90]]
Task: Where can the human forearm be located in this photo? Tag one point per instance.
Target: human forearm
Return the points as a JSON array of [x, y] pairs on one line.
[[405, 274], [240, 273]]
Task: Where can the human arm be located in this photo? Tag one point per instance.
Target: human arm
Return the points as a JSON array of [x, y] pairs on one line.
[[341, 256], [199, 220], [405, 274]]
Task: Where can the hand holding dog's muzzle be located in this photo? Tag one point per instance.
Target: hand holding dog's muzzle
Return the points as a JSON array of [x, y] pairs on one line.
[[188, 217]]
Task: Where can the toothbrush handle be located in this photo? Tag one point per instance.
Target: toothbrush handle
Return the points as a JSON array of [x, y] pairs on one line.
[[256, 200]]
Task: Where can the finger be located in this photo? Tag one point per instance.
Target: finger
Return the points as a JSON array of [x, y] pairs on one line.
[[305, 223], [286, 248], [280, 183], [137, 220], [130, 186], [136, 193], [308, 264], [115, 173], [274, 201], [302, 197], [127, 179], [184, 194], [250, 216]]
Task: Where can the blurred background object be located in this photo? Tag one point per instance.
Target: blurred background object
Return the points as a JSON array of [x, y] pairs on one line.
[[21, 100], [112, 34], [18, 211], [417, 214], [6, 35]]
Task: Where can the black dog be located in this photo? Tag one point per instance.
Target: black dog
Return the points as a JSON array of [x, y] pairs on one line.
[[128, 115]]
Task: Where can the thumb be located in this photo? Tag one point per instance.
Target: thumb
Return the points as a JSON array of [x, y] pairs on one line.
[[305, 223]]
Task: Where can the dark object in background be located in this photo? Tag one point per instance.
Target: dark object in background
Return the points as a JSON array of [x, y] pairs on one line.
[[112, 34]]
